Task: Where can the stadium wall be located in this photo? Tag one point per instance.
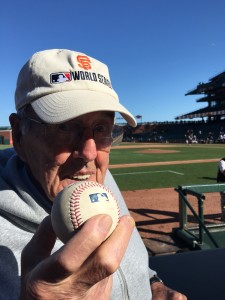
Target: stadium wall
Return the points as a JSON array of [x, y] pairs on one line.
[[6, 137]]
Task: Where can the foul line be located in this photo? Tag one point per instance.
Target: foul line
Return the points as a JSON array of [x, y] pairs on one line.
[[163, 163], [135, 173]]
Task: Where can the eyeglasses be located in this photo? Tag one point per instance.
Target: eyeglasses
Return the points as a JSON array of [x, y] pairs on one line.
[[104, 135]]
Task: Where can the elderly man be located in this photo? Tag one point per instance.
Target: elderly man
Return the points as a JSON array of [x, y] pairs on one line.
[[62, 134]]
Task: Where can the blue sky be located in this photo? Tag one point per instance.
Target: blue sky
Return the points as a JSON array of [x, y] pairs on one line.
[[156, 51]]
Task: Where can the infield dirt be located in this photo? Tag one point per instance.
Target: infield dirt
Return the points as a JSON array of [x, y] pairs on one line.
[[156, 213]]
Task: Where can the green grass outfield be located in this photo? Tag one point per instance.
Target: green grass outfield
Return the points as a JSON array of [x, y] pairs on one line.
[[4, 146], [150, 177]]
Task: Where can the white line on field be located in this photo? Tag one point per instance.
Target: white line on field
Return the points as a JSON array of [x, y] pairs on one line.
[[135, 173]]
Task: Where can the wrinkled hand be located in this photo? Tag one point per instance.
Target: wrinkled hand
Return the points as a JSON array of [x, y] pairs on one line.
[[162, 292], [81, 269]]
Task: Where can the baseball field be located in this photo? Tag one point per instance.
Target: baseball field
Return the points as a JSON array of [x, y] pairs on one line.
[[147, 166], [147, 175]]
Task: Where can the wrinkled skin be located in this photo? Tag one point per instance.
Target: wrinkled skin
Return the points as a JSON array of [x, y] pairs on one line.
[[54, 163], [66, 274], [162, 292]]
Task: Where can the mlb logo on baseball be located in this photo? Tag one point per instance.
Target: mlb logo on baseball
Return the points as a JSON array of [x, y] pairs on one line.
[[97, 197]]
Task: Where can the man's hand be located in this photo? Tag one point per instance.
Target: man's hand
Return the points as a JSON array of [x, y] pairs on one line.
[[162, 292], [82, 268]]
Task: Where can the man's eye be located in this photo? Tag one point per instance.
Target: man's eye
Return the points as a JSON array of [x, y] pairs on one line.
[[103, 130], [100, 129], [64, 127], [67, 127]]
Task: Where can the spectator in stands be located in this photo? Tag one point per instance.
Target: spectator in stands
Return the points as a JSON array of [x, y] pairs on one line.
[[221, 179], [62, 134], [194, 140], [189, 137], [209, 139]]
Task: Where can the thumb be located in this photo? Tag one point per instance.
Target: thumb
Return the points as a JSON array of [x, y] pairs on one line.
[[39, 247]]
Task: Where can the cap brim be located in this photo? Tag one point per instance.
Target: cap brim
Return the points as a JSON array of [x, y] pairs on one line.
[[66, 105]]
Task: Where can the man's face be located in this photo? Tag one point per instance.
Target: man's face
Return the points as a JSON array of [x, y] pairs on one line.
[[58, 155]]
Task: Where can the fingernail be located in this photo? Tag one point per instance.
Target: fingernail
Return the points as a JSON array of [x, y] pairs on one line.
[[131, 220], [105, 223]]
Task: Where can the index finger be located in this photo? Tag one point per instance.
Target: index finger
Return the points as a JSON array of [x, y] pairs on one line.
[[107, 257]]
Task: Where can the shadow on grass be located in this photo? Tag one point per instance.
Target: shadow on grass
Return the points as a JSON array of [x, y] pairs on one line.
[[209, 178]]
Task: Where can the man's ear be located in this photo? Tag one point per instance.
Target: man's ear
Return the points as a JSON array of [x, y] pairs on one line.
[[17, 134]]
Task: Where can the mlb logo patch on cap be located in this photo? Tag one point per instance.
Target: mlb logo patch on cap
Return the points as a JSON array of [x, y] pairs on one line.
[[60, 77]]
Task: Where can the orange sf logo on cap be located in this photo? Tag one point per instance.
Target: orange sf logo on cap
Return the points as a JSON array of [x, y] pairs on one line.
[[84, 62]]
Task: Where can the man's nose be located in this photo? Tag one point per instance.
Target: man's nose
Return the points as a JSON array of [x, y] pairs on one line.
[[87, 148]]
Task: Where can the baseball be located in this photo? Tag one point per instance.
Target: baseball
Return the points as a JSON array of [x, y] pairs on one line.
[[77, 203]]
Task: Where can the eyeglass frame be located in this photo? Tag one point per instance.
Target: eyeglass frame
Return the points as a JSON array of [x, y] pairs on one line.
[[110, 138]]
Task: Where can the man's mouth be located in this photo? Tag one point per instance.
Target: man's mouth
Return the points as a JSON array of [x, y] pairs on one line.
[[81, 177]]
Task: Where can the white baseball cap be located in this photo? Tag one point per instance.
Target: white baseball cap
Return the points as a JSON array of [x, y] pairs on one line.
[[62, 84]]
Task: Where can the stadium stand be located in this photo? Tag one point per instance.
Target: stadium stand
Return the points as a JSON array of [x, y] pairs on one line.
[[214, 95], [176, 132]]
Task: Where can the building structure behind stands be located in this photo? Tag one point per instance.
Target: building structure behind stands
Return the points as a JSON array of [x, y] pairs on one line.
[[214, 95], [5, 136], [205, 125]]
